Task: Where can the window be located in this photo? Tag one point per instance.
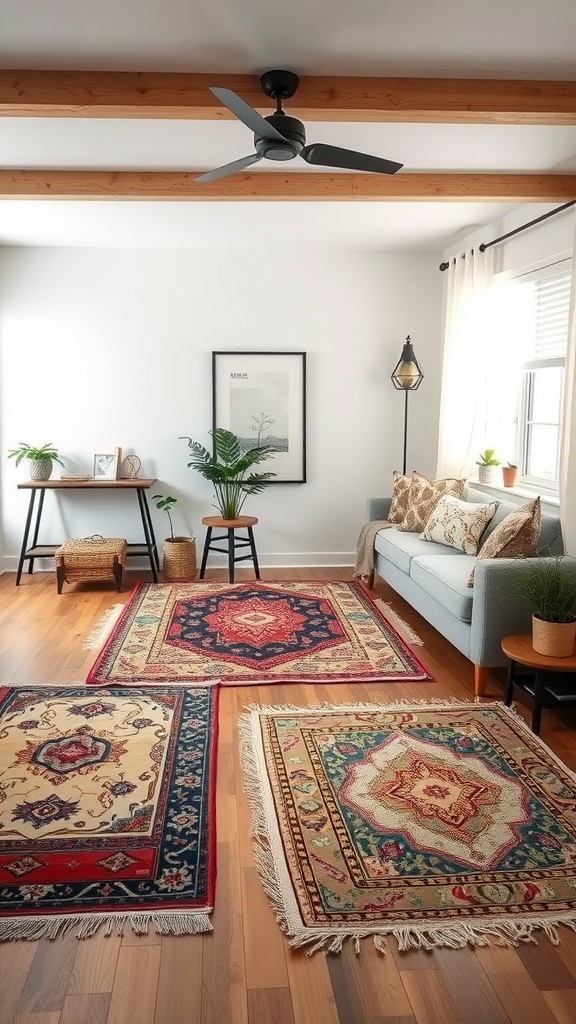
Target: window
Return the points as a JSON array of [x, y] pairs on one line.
[[526, 423]]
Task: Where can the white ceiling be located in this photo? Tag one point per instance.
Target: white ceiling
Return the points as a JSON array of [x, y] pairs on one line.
[[514, 38]]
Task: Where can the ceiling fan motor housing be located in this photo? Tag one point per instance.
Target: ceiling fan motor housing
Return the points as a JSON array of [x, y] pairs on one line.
[[293, 131]]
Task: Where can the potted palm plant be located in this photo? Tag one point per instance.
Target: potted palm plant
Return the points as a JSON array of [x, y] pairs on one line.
[[230, 469], [549, 584], [40, 460], [179, 553], [487, 463]]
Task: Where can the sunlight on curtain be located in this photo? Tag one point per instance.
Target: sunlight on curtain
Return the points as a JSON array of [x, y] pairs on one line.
[[567, 480], [471, 346]]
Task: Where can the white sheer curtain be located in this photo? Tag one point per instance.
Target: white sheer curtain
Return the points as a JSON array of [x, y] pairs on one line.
[[470, 345], [567, 479]]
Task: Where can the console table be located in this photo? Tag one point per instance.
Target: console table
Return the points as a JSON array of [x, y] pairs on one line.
[[40, 487]]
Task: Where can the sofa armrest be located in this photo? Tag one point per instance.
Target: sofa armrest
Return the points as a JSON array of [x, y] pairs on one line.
[[377, 508], [496, 610]]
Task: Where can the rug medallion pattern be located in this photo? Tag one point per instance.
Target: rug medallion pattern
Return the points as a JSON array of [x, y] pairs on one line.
[[440, 823], [241, 633], [106, 809]]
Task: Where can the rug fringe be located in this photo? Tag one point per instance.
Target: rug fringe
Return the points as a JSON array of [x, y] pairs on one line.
[[395, 705], [86, 925], [96, 638], [401, 627]]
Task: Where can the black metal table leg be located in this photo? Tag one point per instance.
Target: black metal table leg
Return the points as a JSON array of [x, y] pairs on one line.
[[36, 529], [231, 554], [253, 550], [25, 537], [147, 536], [538, 697], [205, 552], [510, 683], [146, 508]]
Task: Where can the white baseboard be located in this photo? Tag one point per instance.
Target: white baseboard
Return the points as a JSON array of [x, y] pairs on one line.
[[272, 560]]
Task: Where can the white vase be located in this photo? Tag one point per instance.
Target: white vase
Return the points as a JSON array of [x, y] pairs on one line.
[[40, 469], [486, 474]]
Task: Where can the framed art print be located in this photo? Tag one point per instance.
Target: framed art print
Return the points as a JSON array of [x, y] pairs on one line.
[[261, 397]]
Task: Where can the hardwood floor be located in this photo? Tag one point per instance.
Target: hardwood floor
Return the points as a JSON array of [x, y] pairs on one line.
[[244, 971]]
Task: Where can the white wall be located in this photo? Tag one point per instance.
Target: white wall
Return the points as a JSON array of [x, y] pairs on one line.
[[103, 348]]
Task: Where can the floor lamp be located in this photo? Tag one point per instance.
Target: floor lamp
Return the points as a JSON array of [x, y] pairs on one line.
[[406, 376]]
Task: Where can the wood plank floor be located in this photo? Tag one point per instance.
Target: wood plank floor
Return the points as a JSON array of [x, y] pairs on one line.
[[244, 971]]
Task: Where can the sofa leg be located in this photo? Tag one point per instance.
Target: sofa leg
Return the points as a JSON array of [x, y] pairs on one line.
[[480, 680]]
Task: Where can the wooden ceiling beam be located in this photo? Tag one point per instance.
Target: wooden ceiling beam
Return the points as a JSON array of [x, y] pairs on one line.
[[294, 187], [319, 98]]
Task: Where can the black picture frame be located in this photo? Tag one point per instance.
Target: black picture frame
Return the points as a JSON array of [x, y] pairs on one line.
[[261, 397]]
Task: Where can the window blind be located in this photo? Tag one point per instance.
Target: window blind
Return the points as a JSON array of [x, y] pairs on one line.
[[551, 299]]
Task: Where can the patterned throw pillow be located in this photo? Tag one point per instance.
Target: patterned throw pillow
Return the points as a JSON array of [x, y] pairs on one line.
[[458, 524], [423, 498], [400, 491], [515, 537]]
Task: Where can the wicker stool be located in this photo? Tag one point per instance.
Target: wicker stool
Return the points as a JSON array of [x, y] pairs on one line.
[[230, 526], [93, 558]]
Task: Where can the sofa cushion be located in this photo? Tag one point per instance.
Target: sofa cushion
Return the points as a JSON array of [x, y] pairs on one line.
[[445, 579], [423, 498], [458, 524], [400, 493], [515, 537], [400, 548]]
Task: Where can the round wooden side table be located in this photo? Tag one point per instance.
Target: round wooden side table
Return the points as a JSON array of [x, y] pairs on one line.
[[230, 526], [520, 651]]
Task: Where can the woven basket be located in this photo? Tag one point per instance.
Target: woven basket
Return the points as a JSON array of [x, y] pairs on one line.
[[179, 559], [90, 558], [554, 639]]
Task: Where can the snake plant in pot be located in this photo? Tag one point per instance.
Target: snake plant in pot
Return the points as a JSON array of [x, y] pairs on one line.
[[549, 585], [179, 553], [230, 469]]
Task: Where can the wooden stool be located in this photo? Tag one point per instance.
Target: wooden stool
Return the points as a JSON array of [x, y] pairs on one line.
[[230, 526]]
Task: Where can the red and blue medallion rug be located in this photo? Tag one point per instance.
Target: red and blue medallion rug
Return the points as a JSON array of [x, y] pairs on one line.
[[249, 633], [440, 823], [106, 810]]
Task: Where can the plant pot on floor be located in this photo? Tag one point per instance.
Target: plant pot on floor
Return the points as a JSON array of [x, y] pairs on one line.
[[553, 639], [179, 559]]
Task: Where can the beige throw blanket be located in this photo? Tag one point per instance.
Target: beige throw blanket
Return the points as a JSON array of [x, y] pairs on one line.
[[365, 548]]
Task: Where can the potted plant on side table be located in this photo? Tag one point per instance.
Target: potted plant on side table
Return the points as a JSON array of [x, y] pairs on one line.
[[229, 469], [40, 460], [179, 553], [549, 584]]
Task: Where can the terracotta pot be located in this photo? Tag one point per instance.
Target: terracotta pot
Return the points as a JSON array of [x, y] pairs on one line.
[[554, 639], [179, 559], [509, 475]]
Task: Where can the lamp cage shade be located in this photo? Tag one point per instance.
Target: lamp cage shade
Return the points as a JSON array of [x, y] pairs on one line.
[[407, 375]]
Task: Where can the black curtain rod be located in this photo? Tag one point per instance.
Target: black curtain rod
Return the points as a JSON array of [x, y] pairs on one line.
[[487, 245]]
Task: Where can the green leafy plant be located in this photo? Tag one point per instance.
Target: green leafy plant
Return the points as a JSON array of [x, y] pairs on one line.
[[229, 469], [166, 502], [549, 586], [487, 458], [26, 451]]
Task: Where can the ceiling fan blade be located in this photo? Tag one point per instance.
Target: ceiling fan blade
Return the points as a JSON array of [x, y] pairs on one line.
[[231, 168], [245, 113], [335, 156]]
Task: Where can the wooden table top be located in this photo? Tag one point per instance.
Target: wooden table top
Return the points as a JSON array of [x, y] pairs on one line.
[[519, 648], [111, 485], [228, 524]]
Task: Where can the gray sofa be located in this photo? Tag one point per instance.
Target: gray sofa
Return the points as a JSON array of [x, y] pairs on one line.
[[433, 578]]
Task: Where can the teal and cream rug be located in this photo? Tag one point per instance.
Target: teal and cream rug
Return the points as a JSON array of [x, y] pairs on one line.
[[440, 823]]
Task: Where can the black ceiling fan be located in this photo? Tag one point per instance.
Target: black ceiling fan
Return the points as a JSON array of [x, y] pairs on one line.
[[281, 137]]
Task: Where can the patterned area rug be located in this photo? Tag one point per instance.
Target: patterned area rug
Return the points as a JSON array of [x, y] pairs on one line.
[[106, 810], [441, 824], [246, 633]]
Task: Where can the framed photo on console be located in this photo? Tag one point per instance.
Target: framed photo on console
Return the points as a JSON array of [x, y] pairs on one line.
[[261, 397], [106, 466]]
